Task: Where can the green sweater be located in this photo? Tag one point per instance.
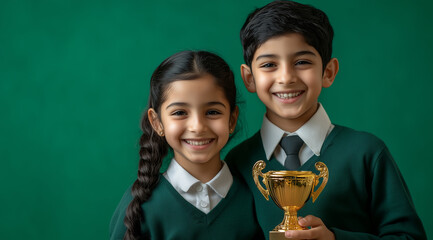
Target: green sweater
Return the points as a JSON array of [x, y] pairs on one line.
[[365, 197], [167, 215]]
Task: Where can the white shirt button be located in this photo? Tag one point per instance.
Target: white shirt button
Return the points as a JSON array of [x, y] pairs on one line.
[[203, 204], [199, 188]]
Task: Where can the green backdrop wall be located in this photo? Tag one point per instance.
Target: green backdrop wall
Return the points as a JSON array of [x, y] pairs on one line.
[[74, 81]]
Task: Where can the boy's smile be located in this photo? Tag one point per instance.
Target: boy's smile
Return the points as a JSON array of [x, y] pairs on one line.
[[287, 75], [288, 97]]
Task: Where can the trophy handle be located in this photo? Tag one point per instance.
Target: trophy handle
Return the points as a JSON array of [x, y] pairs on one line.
[[257, 171], [323, 169]]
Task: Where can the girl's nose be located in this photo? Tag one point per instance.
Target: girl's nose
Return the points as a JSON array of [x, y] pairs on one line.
[[196, 124]]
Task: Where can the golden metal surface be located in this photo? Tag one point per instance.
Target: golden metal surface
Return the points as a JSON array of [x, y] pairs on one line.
[[289, 190], [276, 235]]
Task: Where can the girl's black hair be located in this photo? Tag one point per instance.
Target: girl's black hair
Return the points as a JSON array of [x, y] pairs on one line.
[[186, 65], [281, 17]]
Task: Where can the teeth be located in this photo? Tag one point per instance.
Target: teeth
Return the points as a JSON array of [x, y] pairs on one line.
[[198, 143], [288, 95]]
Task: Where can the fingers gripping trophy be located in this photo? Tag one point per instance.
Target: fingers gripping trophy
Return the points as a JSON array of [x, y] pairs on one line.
[[289, 190]]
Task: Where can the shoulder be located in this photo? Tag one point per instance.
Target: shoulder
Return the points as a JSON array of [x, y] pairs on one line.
[[117, 227], [364, 146], [356, 137], [248, 144], [245, 148], [124, 202], [239, 186], [253, 140], [240, 196]]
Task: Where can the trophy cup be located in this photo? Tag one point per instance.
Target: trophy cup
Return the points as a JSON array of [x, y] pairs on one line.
[[290, 190]]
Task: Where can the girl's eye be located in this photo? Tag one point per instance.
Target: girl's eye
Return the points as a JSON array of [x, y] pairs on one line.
[[213, 112], [178, 113], [268, 65]]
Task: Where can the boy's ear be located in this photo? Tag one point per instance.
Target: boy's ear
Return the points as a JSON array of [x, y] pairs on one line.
[[233, 119], [155, 122], [247, 76], [330, 72]]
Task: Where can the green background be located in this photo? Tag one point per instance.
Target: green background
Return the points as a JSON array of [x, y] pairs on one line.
[[74, 82]]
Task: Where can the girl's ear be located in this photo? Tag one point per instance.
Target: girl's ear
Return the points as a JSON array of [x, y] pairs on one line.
[[330, 72], [233, 120], [247, 76], [155, 122]]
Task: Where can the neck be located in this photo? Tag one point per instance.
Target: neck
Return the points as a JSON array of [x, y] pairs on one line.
[[292, 124], [204, 172]]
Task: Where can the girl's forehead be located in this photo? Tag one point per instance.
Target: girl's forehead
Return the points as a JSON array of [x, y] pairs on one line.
[[203, 81], [203, 89]]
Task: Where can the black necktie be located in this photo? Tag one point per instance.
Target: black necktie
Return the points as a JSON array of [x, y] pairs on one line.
[[291, 145]]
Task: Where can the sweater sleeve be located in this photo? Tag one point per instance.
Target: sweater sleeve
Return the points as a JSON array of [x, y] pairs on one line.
[[117, 227], [392, 210]]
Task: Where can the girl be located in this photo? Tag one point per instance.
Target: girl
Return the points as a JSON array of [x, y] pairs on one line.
[[192, 110]]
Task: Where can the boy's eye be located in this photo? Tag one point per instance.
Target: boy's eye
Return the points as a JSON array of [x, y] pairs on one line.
[[302, 62]]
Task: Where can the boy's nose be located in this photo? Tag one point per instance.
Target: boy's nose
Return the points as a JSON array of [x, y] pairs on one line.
[[286, 76]]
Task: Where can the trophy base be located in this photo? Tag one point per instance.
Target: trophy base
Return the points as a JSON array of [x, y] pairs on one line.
[[277, 235]]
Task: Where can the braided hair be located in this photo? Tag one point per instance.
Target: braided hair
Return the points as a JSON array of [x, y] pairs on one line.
[[186, 65]]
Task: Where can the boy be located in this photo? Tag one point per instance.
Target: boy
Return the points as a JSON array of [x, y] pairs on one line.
[[287, 50]]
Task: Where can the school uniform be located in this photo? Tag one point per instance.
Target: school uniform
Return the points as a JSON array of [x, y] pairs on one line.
[[365, 197], [181, 207]]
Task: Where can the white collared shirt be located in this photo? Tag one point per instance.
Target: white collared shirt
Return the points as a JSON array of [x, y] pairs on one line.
[[313, 133], [204, 196]]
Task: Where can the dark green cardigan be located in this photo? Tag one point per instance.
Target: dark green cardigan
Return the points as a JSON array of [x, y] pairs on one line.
[[365, 198], [167, 215]]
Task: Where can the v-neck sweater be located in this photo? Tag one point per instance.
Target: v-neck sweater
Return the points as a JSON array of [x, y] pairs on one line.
[[167, 215], [365, 197]]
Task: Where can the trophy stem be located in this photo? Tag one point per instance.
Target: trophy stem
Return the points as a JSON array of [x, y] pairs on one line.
[[290, 221]]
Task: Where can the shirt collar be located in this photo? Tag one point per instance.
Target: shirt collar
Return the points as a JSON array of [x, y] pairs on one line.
[[271, 136], [313, 132], [222, 182], [179, 177], [183, 180]]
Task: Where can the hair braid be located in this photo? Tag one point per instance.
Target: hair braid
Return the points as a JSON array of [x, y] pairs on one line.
[[152, 150], [186, 65]]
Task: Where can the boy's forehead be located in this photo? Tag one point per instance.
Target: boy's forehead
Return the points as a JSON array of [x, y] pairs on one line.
[[286, 44]]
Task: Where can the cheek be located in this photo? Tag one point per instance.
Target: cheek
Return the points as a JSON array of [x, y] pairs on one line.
[[173, 129], [263, 80], [222, 130], [311, 80], [263, 87]]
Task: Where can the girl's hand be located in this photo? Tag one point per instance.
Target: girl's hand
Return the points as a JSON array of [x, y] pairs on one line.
[[317, 231]]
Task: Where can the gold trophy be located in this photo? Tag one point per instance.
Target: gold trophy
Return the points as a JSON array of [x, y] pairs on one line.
[[290, 190]]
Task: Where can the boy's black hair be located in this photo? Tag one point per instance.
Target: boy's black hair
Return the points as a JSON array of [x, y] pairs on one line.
[[281, 17]]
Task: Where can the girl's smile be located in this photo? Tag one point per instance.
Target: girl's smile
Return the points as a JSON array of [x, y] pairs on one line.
[[199, 144], [196, 119]]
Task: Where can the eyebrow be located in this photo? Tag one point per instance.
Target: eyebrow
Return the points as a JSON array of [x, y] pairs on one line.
[[300, 53], [182, 104]]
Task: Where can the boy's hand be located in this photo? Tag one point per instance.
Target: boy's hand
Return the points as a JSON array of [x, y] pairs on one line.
[[318, 230]]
